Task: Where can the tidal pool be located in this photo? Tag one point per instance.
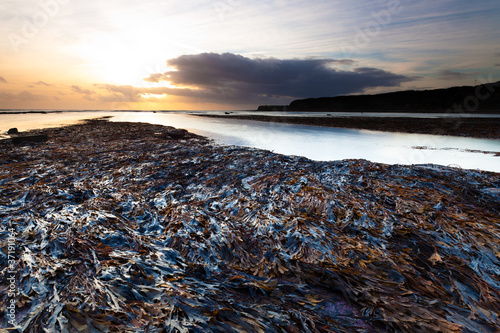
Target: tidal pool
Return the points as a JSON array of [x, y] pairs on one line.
[[317, 143]]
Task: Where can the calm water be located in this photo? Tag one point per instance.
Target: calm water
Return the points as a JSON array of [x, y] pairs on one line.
[[317, 143], [355, 114]]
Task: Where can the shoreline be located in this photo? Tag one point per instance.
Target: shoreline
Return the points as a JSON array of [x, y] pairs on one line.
[[483, 128], [174, 230]]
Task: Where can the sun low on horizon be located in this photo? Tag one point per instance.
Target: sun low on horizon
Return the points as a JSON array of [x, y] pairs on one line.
[[229, 54]]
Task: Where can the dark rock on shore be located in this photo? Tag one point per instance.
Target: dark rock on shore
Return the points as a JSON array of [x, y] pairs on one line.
[[30, 138], [12, 131], [177, 134]]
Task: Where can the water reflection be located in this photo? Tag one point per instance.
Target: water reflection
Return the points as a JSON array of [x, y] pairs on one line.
[[317, 143], [323, 143], [29, 121]]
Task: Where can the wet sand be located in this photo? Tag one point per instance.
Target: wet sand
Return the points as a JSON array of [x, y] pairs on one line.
[[486, 128], [139, 227]]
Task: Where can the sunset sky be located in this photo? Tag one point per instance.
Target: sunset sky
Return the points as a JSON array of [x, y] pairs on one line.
[[235, 54]]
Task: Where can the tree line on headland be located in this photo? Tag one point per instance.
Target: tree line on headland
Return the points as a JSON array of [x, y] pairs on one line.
[[483, 98]]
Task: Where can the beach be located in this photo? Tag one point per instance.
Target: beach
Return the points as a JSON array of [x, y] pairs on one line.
[[116, 226], [486, 128]]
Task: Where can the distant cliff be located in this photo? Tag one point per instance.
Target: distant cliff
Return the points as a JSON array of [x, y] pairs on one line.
[[481, 98]]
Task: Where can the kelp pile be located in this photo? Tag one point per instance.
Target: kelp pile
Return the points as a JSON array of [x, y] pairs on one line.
[[144, 228]]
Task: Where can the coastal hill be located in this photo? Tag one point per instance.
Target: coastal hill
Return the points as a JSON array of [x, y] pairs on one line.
[[481, 98]]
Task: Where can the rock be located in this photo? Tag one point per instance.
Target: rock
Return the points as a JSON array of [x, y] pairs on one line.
[[30, 138], [12, 131], [177, 134]]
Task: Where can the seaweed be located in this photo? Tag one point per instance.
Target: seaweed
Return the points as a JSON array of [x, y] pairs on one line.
[[138, 227]]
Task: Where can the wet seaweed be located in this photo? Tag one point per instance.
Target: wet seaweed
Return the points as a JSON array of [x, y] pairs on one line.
[[137, 227]]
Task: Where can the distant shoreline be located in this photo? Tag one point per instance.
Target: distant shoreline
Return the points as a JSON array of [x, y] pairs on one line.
[[483, 98], [484, 128]]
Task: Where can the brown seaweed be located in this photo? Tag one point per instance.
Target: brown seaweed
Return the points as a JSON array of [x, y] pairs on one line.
[[137, 227]]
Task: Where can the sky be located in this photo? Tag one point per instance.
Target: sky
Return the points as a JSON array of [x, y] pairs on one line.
[[235, 54]]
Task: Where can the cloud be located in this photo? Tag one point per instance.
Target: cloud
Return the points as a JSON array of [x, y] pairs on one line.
[[124, 93], [129, 94], [497, 65], [235, 77], [345, 61], [157, 77], [79, 90], [2, 80], [446, 74], [41, 83], [23, 96], [85, 92]]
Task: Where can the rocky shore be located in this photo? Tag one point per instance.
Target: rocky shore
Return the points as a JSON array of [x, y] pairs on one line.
[[136, 227]]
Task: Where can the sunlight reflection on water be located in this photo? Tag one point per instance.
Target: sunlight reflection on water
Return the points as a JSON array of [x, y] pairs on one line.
[[324, 143], [317, 143]]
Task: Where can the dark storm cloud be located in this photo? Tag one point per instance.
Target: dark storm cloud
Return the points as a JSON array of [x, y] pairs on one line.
[[234, 76]]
